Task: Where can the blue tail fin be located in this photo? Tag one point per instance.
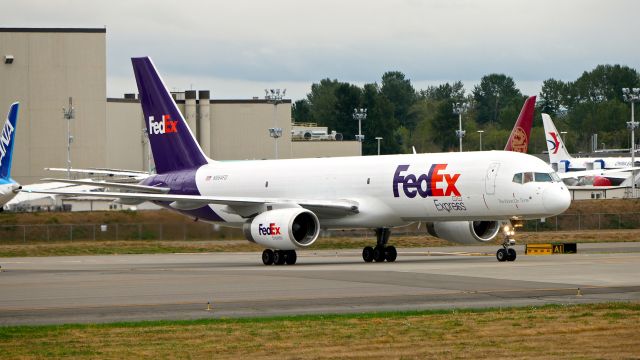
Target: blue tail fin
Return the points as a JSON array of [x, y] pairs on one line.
[[172, 143], [7, 137]]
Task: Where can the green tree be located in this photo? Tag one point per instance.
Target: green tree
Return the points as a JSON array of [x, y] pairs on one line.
[[494, 97], [322, 101], [380, 122], [348, 97], [301, 111], [401, 94], [444, 92], [552, 97]]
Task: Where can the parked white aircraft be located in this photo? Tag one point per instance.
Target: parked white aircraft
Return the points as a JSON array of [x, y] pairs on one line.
[[8, 187], [569, 166], [283, 204], [558, 153]]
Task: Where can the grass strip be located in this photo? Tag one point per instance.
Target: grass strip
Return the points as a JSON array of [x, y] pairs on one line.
[[577, 331]]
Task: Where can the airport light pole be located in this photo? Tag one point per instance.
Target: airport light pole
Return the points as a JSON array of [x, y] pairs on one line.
[[69, 114], [458, 109], [632, 96], [360, 114], [274, 96], [378, 138], [480, 132]]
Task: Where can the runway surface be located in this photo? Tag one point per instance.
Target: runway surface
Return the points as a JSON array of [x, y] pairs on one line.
[[82, 289]]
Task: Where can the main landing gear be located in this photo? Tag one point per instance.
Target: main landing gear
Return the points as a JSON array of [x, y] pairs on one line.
[[507, 253], [279, 257], [381, 252]]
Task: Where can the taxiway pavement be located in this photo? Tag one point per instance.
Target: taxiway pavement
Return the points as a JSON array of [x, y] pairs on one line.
[[91, 289]]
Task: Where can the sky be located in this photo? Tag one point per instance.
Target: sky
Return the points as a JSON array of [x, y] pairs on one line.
[[238, 48]]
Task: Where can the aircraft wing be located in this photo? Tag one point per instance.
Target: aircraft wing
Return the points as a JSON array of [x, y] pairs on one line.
[[138, 175], [243, 206], [135, 187]]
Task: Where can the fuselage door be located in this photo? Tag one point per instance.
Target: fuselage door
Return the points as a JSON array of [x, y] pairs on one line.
[[490, 178]]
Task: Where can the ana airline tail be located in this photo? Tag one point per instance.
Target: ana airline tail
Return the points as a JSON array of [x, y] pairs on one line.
[[172, 143], [7, 138], [519, 138], [557, 151]]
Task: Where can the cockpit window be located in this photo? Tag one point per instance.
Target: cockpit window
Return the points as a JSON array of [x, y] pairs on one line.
[[528, 177], [543, 177], [517, 178], [523, 178]]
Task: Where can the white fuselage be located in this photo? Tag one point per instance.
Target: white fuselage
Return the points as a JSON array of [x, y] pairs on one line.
[[394, 190], [579, 164]]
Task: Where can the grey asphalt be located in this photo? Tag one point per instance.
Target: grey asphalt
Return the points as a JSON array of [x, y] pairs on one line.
[[94, 289]]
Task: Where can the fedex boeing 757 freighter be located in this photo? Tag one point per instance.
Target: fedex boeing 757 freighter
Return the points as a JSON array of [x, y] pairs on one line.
[[283, 204]]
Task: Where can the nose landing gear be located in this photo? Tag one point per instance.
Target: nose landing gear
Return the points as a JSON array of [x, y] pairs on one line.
[[507, 253]]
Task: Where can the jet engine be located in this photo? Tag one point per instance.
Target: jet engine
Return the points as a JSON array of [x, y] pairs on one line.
[[464, 232], [283, 229]]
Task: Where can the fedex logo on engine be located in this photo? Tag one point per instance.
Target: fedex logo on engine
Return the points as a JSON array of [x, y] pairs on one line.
[[434, 183], [272, 229], [164, 126]]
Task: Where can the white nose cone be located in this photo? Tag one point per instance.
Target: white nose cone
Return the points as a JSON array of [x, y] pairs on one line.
[[556, 199]]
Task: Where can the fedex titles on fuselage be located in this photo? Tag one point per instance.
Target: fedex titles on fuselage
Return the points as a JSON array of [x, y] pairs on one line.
[[164, 126], [435, 183], [5, 138]]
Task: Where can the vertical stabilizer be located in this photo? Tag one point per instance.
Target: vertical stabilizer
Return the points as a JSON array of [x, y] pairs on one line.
[[7, 139], [555, 145], [521, 133], [172, 143]]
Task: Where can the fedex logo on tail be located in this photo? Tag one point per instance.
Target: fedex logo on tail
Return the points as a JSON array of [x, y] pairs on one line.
[[163, 126], [5, 139], [555, 144], [434, 183], [272, 229]]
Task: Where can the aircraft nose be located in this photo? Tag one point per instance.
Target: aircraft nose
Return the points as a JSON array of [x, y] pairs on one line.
[[556, 198]]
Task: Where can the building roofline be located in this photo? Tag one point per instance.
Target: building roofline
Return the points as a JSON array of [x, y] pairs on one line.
[[52, 30], [214, 101]]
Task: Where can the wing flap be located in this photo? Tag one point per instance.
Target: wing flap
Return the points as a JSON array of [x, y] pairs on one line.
[[137, 187], [240, 205]]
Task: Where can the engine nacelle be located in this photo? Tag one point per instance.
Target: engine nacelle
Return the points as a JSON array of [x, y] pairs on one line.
[[283, 229], [464, 232]]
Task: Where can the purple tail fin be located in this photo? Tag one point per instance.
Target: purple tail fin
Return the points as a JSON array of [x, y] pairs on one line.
[[172, 143]]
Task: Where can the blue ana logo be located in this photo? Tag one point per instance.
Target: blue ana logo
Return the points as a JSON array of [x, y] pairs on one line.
[[425, 184], [5, 139]]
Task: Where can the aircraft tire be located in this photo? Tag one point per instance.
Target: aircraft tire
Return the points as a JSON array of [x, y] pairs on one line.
[[267, 257], [501, 255], [291, 257], [279, 257], [378, 253], [511, 254], [390, 253], [367, 254]]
